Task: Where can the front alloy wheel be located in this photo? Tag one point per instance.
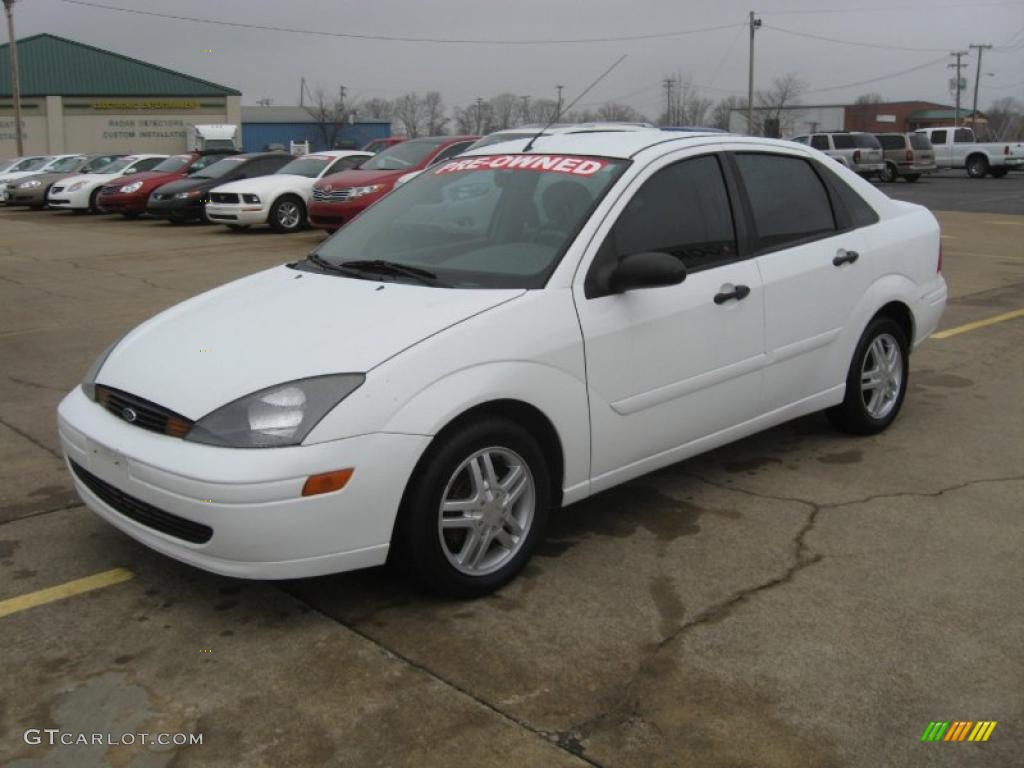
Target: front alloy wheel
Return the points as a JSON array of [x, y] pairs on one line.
[[475, 508], [286, 215]]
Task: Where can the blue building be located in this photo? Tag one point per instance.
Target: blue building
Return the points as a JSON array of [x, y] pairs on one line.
[[262, 126]]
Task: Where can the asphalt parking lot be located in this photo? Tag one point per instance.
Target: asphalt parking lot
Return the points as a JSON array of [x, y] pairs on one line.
[[800, 598]]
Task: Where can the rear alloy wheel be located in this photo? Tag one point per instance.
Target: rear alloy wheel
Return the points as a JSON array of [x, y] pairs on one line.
[[889, 173], [876, 382], [475, 510], [977, 166], [287, 214]]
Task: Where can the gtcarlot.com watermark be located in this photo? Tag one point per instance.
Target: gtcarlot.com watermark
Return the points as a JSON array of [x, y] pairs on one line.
[[54, 736]]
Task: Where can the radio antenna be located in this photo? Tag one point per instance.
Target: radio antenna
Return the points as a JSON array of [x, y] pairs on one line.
[[560, 111]]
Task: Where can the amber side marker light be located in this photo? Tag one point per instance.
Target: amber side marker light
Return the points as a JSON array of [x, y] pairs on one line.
[[327, 482]]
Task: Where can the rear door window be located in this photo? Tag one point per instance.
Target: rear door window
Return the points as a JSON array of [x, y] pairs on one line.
[[788, 201], [819, 142], [963, 136], [938, 137]]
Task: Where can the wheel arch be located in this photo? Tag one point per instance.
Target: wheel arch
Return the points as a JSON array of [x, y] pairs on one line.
[[900, 312]]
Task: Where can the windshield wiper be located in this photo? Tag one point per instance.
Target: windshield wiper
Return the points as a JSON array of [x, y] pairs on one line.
[[383, 266]]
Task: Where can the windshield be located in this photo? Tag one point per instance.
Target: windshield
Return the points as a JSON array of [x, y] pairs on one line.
[[218, 169], [65, 164], [403, 156], [120, 164], [31, 164], [310, 166], [99, 163], [497, 221], [173, 164]]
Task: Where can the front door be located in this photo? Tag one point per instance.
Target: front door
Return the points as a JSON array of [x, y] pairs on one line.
[[667, 366]]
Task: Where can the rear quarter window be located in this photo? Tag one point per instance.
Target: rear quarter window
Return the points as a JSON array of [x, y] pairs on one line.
[[843, 141], [919, 141]]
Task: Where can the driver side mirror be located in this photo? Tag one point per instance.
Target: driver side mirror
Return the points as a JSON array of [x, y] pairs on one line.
[[651, 269]]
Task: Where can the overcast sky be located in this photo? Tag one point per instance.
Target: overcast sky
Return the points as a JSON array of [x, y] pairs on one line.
[[269, 64]]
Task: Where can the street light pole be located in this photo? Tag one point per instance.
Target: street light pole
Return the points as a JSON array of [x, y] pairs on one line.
[[754, 24], [15, 82]]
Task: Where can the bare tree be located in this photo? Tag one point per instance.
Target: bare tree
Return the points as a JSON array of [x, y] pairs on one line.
[[330, 115], [868, 98], [377, 109], [543, 110], [776, 104], [723, 110], [504, 109], [408, 110], [1006, 119], [434, 117], [474, 119], [613, 111]]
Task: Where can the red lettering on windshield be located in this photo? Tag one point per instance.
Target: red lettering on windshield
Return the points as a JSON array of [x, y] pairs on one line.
[[575, 166]]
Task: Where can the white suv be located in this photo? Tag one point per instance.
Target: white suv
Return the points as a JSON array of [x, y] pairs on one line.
[[860, 152]]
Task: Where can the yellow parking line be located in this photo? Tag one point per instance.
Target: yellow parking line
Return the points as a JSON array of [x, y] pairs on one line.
[[61, 591], [978, 324]]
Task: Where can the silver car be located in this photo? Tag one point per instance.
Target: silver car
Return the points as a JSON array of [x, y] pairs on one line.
[[858, 151], [907, 156]]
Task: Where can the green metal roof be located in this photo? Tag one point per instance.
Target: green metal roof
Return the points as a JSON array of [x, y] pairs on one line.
[[56, 66]]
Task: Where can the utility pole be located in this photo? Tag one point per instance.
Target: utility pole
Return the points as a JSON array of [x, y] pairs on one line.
[[526, 108], [302, 91], [754, 24], [667, 84], [479, 114], [341, 98], [958, 66], [558, 112], [15, 83], [977, 80]]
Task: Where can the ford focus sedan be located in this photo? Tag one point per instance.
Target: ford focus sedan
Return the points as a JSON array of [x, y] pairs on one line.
[[512, 331]]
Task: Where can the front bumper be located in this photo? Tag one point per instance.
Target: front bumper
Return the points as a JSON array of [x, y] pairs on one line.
[[33, 196], [242, 213], [187, 208], [122, 202], [65, 200], [335, 215], [263, 528]]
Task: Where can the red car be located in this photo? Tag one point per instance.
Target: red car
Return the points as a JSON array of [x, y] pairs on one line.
[[341, 196], [130, 194], [376, 145]]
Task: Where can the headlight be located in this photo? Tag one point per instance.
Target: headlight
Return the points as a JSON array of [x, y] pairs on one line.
[[89, 381], [280, 415], [183, 195], [30, 184], [251, 199], [355, 192], [133, 187], [77, 186]]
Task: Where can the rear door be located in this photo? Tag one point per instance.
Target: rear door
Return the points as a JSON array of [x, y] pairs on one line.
[[667, 366], [813, 261], [943, 148]]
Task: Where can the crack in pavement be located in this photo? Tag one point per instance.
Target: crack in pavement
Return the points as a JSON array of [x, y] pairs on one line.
[[27, 436], [34, 384], [31, 287], [122, 275]]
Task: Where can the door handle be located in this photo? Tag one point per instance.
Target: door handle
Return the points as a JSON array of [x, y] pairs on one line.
[[845, 257], [739, 292]]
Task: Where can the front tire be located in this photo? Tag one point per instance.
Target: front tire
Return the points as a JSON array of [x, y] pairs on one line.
[[977, 166], [876, 382], [287, 214], [475, 509], [93, 207]]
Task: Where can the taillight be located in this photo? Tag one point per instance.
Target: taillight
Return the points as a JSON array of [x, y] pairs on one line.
[[1006, 149], [909, 155], [856, 156], [938, 268]]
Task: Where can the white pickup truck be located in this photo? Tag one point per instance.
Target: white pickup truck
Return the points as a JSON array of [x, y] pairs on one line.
[[958, 148]]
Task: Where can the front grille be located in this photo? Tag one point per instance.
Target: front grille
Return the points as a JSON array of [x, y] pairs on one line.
[[223, 197], [142, 413], [141, 512], [334, 196]]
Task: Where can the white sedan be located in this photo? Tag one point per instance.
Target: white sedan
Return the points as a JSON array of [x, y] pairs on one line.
[[516, 330], [79, 193], [280, 198]]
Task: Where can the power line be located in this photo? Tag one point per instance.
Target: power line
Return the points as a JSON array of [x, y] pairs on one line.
[[890, 8], [398, 38], [843, 42], [931, 63]]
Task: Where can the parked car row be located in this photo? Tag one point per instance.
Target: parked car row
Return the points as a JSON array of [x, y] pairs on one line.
[[908, 156]]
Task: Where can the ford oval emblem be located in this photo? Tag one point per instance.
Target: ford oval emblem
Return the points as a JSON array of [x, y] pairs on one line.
[[129, 415]]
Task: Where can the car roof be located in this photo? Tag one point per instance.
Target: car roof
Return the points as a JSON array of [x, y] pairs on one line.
[[621, 144], [334, 153]]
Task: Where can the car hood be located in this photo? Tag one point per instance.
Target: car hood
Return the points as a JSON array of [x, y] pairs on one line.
[[47, 178], [98, 178], [150, 179], [264, 184], [187, 184], [359, 178], [276, 326], [17, 175]]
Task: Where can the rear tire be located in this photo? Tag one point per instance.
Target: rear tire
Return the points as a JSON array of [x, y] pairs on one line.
[[287, 214], [475, 509], [876, 382], [977, 166]]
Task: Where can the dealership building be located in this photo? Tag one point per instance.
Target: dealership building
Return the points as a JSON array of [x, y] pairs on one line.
[[880, 117], [78, 98]]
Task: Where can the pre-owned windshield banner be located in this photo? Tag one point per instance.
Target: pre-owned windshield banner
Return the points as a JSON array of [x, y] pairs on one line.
[[576, 166]]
